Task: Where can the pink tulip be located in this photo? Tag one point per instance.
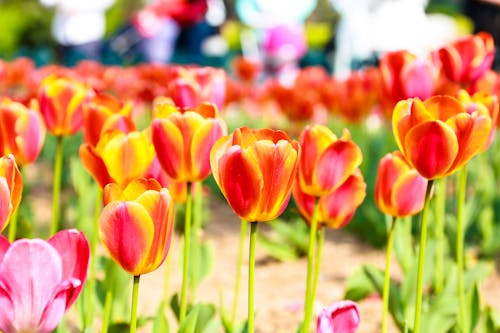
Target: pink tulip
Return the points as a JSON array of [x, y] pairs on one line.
[[340, 317], [40, 280]]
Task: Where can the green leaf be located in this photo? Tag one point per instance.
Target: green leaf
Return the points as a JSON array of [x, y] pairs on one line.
[[189, 323], [474, 308], [160, 323], [201, 263], [201, 319], [358, 286], [277, 250], [119, 327], [175, 305]]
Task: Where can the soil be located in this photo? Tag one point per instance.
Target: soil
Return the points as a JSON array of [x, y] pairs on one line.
[[279, 286]]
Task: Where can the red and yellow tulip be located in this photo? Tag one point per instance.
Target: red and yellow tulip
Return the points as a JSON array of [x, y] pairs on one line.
[[22, 131], [11, 188], [326, 161], [336, 208], [183, 137], [255, 170], [136, 225], [61, 103], [399, 188], [438, 136], [104, 112], [118, 157]]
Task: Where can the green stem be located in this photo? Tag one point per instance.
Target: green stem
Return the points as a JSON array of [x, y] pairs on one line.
[[56, 187], [251, 275], [89, 311], [166, 276], [185, 265], [310, 258], [462, 185], [13, 225], [135, 298], [108, 302], [195, 239], [320, 238], [440, 212], [421, 258], [387, 276], [239, 262]]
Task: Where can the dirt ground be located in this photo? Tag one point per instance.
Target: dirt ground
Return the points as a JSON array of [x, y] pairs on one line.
[[279, 286]]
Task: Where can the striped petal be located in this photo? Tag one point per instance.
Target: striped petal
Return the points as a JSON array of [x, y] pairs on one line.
[[203, 140], [5, 204], [408, 194], [169, 145], [94, 165]]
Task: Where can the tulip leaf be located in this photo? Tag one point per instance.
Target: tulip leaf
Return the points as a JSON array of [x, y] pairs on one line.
[[358, 286], [201, 261], [160, 323], [474, 310], [277, 249], [200, 319]]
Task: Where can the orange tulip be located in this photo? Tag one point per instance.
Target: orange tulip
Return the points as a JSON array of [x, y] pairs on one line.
[[104, 112], [118, 157], [326, 161], [61, 100], [336, 208], [489, 101], [22, 131], [11, 188], [183, 138], [438, 136], [255, 170], [468, 58], [399, 189], [136, 225]]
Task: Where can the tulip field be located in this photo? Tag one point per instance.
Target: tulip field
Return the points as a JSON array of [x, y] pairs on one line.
[[169, 198]]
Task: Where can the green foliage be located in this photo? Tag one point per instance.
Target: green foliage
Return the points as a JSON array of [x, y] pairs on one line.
[[288, 239]]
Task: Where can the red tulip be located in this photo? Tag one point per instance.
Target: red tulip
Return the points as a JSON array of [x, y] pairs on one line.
[[61, 102], [136, 225], [22, 131], [183, 137], [40, 280], [399, 189], [326, 161], [11, 188], [336, 208], [438, 136], [255, 170]]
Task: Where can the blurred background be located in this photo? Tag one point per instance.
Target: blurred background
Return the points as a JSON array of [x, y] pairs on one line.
[[340, 35]]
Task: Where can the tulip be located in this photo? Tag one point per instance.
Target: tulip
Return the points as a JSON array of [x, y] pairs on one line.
[[438, 136], [255, 170], [40, 280], [61, 102], [406, 76], [326, 161], [11, 188], [118, 157], [191, 86], [399, 189], [104, 112], [136, 224], [468, 58], [183, 137], [342, 317], [22, 131], [336, 208]]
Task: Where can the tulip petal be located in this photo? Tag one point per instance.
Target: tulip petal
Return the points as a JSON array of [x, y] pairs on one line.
[[94, 165], [30, 136], [30, 273], [443, 107], [241, 182], [431, 147], [74, 250], [408, 194], [169, 145], [4, 246], [127, 231], [203, 140], [342, 317], [5, 205]]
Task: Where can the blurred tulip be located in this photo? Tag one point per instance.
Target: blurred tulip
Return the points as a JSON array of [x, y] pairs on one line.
[[255, 170], [178, 190], [104, 112], [40, 280], [118, 157], [136, 225], [22, 131], [399, 189], [183, 137], [477, 100], [406, 76], [61, 100], [438, 136], [11, 188], [468, 58], [326, 161], [340, 317], [17, 79], [190, 86], [247, 70], [336, 208]]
